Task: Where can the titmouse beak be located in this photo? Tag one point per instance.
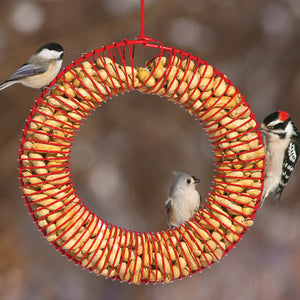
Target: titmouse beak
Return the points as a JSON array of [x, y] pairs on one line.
[[196, 179]]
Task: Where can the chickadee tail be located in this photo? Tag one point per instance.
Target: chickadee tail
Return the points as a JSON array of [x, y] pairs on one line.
[[6, 84]]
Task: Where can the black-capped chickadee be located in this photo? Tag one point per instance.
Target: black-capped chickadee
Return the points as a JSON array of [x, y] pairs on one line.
[[40, 69], [183, 200]]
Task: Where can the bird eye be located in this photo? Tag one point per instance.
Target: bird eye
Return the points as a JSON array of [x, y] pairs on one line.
[[188, 181]]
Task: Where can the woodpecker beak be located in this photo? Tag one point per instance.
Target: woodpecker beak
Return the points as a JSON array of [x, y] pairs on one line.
[[263, 127], [196, 180]]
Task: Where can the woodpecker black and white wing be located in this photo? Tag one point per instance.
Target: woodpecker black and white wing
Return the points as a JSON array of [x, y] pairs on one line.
[[290, 159]]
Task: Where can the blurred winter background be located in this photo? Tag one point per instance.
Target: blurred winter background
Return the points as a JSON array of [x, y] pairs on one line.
[[125, 153]]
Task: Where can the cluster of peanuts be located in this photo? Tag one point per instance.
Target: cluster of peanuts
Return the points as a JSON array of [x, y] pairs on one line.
[[113, 252]]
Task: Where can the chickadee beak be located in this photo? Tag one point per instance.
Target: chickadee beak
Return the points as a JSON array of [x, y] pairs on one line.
[[196, 179]]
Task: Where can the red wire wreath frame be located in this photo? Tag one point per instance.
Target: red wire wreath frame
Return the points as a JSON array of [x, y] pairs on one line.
[[100, 246]]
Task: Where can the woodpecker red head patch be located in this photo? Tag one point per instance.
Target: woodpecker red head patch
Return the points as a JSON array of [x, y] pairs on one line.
[[283, 115]]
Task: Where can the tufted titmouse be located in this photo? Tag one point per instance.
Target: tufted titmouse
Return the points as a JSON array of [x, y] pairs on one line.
[[40, 69], [183, 200]]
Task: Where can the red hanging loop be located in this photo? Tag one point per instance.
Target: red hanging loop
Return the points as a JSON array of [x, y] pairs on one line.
[[142, 33]]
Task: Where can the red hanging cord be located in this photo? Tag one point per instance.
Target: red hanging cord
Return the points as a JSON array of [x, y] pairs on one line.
[[142, 33], [142, 19]]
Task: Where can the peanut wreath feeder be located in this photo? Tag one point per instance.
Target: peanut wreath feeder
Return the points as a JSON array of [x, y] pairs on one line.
[[115, 252]]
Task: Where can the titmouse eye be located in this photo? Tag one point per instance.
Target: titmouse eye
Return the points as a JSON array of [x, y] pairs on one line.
[[188, 181]]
